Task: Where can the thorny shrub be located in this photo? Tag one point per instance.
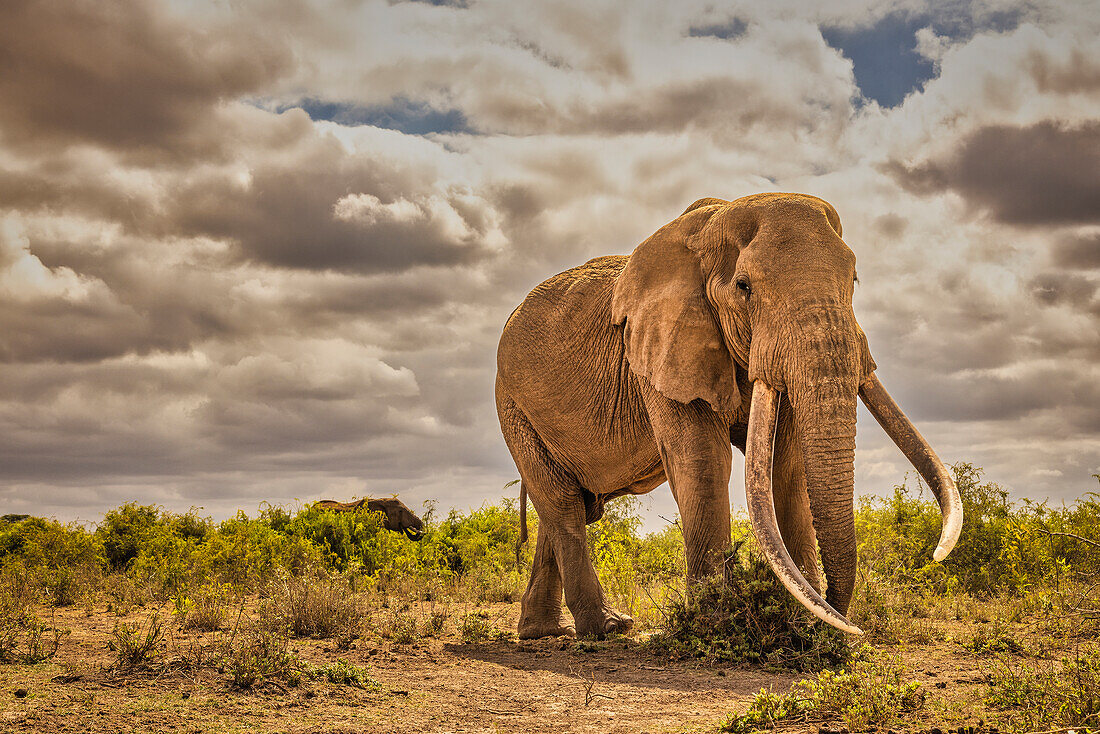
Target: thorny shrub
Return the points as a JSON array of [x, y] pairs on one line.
[[259, 655], [137, 646]]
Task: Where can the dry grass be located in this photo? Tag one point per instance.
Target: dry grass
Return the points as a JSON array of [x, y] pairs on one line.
[[319, 607]]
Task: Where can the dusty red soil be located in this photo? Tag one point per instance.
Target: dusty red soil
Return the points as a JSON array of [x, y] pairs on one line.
[[433, 685]]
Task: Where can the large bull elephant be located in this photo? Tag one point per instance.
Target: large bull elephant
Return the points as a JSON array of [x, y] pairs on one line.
[[395, 515], [730, 326]]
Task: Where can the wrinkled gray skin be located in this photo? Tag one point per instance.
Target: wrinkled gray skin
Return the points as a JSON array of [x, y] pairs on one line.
[[625, 372], [397, 516]]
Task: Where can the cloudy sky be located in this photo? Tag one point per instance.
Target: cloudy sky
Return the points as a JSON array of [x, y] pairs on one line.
[[256, 250]]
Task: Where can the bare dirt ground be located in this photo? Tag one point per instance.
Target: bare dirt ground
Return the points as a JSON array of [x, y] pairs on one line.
[[432, 685]]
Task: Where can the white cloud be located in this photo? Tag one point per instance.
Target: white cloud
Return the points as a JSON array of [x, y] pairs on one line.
[[222, 303]]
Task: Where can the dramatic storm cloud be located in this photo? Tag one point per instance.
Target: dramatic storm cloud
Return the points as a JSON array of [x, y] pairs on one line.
[[263, 251]]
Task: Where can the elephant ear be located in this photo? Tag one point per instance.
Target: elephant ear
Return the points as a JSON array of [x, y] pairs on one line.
[[671, 333]]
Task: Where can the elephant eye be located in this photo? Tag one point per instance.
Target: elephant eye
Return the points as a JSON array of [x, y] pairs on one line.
[[743, 286]]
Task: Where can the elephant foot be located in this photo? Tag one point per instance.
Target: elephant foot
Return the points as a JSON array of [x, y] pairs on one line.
[[535, 630], [609, 622]]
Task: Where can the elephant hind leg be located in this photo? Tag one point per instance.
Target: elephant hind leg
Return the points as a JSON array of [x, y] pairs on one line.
[[540, 608], [541, 614], [562, 562]]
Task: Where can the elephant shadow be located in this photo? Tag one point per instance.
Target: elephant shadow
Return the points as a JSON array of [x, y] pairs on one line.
[[623, 661]]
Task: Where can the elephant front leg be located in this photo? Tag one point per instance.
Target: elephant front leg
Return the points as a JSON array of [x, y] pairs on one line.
[[540, 608], [697, 456], [701, 488]]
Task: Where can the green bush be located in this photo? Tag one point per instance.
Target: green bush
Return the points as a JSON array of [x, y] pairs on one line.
[[480, 547], [249, 553], [64, 561], [346, 540], [1004, 547], [123, 532], [866, 693], [749, 617], [344, 673], [1045, 695], [260, 655]]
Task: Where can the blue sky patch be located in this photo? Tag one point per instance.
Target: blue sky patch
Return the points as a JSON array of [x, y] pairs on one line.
[[885, 62], [408, 116]]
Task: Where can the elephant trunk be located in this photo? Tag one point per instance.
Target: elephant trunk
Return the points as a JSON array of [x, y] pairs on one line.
[[822, 383], [825, 418], [822, 387]]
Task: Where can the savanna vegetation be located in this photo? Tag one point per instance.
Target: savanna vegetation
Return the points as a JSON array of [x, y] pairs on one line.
[[236, 601]]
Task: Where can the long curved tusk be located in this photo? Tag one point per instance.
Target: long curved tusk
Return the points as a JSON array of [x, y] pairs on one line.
[[902, 431], [758, 496]]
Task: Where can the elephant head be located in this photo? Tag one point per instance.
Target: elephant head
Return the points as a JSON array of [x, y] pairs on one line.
[[748, 306], [396, 516]]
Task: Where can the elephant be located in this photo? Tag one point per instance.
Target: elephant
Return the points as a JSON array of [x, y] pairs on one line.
[[396, 516], [732, 325]]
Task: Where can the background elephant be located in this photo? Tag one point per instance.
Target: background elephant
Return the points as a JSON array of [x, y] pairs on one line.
[[730, 326], [398, 517]]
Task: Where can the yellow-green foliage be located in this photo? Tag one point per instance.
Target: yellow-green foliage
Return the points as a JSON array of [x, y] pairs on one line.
[[634, 570], [869, 692], [246, 553], [1004, 546], [1048, 694], [480, 547], [171, 555], [61, 559]]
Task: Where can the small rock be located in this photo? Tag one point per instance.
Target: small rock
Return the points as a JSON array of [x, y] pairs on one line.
[[20, 692]]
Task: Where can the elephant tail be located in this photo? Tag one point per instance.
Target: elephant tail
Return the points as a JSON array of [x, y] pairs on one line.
[[522, 519]]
